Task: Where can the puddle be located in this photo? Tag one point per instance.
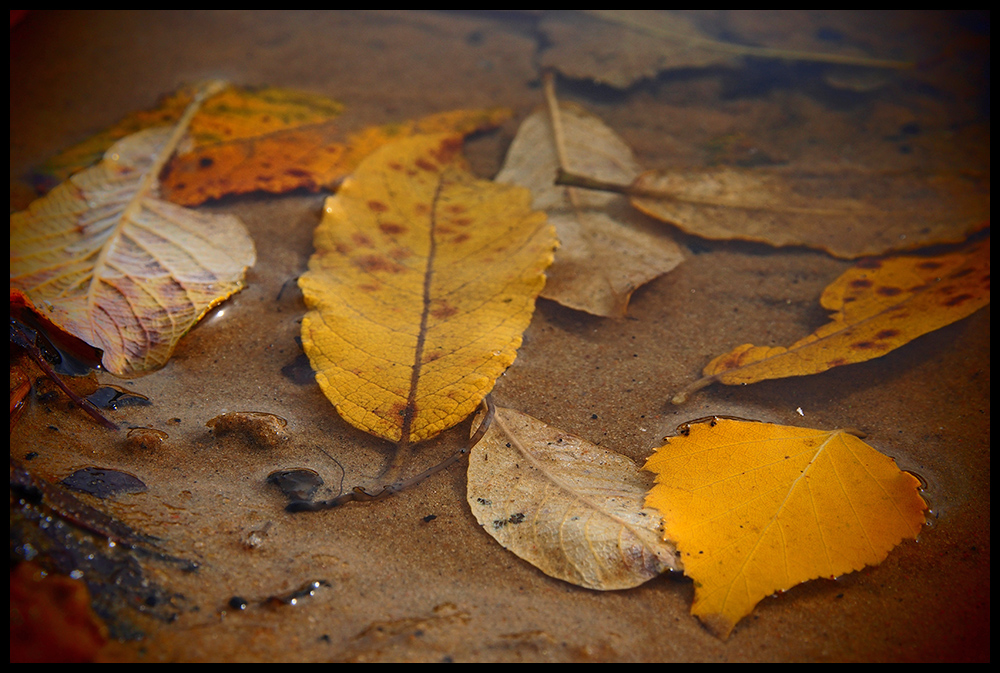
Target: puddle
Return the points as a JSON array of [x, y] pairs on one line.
[[610, 381]]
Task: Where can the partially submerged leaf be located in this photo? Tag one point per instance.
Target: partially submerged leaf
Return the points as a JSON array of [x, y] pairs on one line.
[[573, 510], [756, 508], [230, 114], [104, 259], [879, 305], [312, 157], [423, 280], [847, 213], [606, 251]]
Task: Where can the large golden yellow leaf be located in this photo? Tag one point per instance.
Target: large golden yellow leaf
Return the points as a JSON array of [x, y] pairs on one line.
[[756, 508], [878, 305], [313, 156], [104, 259], [572, 509], [423, 280]]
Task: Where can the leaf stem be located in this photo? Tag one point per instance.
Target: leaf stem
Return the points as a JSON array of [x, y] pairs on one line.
[[359, 494], [567, 179]]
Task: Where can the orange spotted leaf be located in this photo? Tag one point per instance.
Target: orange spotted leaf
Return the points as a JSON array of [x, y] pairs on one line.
[[312, 156], [423, 280], [230, 114], [878, 305]]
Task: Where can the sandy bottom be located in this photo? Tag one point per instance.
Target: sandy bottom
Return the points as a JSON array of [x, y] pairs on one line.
[[415, 577]]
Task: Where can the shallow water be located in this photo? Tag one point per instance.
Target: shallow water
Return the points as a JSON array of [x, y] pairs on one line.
[[415, 577]]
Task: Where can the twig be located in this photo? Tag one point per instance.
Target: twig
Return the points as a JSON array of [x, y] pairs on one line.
[[359, 494]]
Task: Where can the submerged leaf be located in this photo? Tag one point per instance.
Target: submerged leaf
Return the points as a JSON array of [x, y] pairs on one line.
[[312, 157], [756, 508], [606, 251], [614, 53], [571, 509], [847, 213], [879, 305], [423, 280], [104, 259], [620, 47]]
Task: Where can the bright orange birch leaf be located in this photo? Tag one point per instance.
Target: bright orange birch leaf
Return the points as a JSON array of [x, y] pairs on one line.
[[309, 157], [878, 305], [104, 259], [423, 280], [756, 508], [230, 114]]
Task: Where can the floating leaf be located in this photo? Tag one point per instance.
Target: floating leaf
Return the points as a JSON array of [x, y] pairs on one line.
[[571, 509], [879, 305], [756, 508], [423, 280], [606, 251], [306, 157], [104, 259], [228, 115], [847, 213]]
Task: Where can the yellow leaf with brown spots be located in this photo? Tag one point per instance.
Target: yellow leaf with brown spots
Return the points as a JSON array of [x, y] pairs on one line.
[[312, 157], [422, 282], [878, 305], [756, 508]]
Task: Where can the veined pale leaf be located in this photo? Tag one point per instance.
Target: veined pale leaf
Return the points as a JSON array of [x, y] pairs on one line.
[[106, 260], [573, 510]]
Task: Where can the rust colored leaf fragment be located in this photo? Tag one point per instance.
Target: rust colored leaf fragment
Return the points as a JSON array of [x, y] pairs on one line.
[[230, 114], [314, 156]]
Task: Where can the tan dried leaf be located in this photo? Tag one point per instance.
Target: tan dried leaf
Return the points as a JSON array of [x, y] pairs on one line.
[[571, 509], [606, 251], [847, 213]]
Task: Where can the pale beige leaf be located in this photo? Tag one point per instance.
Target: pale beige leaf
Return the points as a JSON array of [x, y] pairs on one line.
[[572, 509], [606, 251], [847, 213], [106, 260]]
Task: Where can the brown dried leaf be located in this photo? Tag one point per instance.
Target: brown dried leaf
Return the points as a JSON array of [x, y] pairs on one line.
[[847, 213]]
